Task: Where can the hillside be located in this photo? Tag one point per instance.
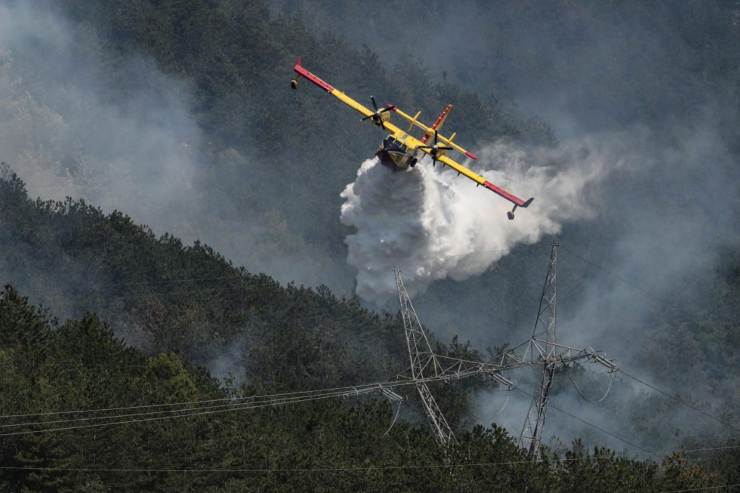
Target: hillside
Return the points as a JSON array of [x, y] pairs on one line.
[[187, 241], [329, 446], [170, 308]]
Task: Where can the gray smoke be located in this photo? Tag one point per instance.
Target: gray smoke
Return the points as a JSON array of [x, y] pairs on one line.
[[655, 205], [642, 227], [122, 136], [65, 138]]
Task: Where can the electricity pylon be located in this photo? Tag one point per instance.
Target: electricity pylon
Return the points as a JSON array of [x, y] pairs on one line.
[[547, 317], [426, 365], [543, 349]]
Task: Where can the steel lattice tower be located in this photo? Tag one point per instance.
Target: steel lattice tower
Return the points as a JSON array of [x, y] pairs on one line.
[[543, 349], [423, 363], [545, 325]]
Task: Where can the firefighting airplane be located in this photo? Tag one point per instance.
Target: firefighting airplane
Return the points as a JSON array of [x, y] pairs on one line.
[[400, 149]]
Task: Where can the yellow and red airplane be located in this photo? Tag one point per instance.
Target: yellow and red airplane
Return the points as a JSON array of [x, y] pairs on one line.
[[401, 149]]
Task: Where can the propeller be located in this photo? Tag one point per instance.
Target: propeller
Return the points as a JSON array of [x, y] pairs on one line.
[[434, 149], [376, 117]]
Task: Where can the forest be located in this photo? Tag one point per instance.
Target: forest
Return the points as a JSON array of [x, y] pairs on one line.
[[143, 319], [297, 338]]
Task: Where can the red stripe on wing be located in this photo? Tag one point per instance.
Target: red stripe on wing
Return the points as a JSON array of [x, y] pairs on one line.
[[508, 196], [300, 70]]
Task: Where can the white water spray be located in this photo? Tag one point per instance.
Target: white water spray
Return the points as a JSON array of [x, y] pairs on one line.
[[435, 225]]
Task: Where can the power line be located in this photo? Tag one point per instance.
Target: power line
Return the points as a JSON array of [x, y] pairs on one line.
[[253, 397], [703, 488], [186, 403], [268, 470], [314, 470], [239, 402], [268, 401], [597, 427], [309, 469], [678, 399], [238, 407], [727, 447]]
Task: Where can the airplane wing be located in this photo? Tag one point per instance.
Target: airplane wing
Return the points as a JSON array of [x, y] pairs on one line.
[[303, 72], [410, 141], [451, 163]]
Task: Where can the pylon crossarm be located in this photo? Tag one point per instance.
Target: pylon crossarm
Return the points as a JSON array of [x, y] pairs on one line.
[[470, 361], [453, 367], [568, 354], [527, 350], [460, 364], [502, 380], [605, 362], [514, 358]]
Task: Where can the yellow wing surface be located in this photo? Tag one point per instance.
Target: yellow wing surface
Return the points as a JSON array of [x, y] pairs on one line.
[[411, 142], [430, 131]]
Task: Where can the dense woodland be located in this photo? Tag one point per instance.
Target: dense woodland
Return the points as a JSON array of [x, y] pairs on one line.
[[298, 339], [120, 316]]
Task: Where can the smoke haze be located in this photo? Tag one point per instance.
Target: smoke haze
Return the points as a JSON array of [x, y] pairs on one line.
[[64, 137], [642, 187], [123, 136]]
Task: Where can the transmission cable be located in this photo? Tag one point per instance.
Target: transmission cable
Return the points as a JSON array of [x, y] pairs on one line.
[[586, 399], [679, 400], [304, 396], [597, 427], [238, 407]]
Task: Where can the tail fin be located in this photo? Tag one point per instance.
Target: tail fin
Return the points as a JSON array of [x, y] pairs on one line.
[[438, 122]]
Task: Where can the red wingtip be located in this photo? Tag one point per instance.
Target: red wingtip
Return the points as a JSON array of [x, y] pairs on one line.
[[298, 62], [471, 155], [507, 195]]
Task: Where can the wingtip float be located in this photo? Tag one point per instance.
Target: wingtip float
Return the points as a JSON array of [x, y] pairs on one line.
[[399, 148]]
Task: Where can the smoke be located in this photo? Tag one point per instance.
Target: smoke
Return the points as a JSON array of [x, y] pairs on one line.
[[436, 225], [660, 203], [66, 133], [642, 215], [77, 120], [228, 365]]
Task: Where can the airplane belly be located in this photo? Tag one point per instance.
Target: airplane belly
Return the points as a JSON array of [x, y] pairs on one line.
[[393, 153], [393, 159]]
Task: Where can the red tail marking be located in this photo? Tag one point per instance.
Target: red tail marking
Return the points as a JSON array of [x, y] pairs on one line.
[[438, 122]]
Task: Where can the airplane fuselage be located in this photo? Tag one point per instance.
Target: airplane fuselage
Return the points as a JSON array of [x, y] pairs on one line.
[[394, 153]]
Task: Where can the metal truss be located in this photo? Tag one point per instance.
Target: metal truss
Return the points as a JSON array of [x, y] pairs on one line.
[[427, 365], [542, 349]]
